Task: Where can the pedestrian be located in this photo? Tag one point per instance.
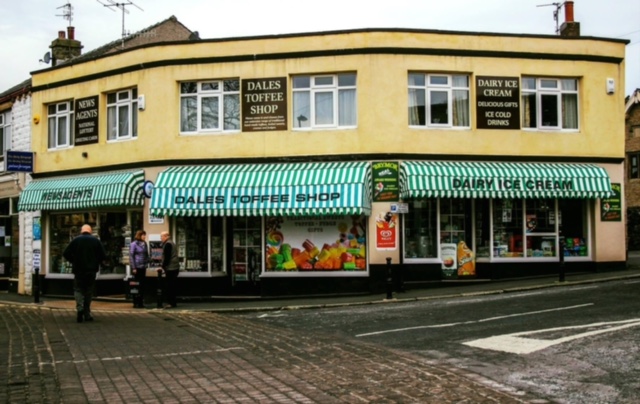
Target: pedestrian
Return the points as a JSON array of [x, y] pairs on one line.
[[85, 253], [171, 267], [139, 260]]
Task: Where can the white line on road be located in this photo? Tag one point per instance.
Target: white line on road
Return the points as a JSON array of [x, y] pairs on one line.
[[514, 343], [472, 322]]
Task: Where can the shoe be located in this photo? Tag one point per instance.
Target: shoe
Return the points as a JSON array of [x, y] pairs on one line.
[[80, 317], [88, 318]]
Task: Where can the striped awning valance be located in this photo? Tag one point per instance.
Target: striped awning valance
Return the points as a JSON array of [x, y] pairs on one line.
[[264, 190], [433, 179], [84, 191]]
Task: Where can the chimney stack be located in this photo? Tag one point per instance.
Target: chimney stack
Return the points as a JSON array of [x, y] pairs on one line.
[[65, 48], [569, 27]]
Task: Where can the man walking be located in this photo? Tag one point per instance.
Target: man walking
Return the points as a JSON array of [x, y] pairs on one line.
[[171, 267], [85, 253]]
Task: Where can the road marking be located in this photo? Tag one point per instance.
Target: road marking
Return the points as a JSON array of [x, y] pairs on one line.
[[514, 343], [474, 321], [630, 282]]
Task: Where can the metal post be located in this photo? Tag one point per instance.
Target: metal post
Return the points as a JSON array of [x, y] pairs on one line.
[[389, 279], [159, 290], [36, 285], [561, 271]]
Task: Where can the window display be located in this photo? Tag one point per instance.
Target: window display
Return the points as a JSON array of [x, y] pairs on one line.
[[316, 243], [63, 228], [194, 240], [573, 223], [420, 229], [507, 228]]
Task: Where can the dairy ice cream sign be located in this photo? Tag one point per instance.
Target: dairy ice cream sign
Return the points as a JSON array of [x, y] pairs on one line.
[[498, 102]]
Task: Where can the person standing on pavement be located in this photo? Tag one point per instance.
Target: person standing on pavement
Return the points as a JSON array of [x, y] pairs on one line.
[[171, 267], [85, 253], [139, 260]]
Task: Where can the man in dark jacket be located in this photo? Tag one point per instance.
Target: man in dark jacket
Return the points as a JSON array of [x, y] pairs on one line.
[[85, 253], [171, 267]]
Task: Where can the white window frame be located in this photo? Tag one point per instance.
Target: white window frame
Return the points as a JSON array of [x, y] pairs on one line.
[[449, 88], [58, 114], [217, 90], [5, 132], [125, 102], [543, 89], [318, 85]]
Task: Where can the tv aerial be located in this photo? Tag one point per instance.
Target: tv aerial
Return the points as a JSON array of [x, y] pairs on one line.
[[67, 12], [558, 6], [112, 5]]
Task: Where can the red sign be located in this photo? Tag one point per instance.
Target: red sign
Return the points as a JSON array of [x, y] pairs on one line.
[[386, 226]]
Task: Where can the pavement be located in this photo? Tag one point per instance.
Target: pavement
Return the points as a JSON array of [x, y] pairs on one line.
[[437, 290], [193, 354]]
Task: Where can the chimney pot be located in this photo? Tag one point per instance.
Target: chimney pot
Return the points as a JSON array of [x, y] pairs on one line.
[[568, 11], [60, 34], [71, 32]]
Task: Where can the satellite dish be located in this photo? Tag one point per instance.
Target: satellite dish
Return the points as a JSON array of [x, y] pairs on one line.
[[47, 57]]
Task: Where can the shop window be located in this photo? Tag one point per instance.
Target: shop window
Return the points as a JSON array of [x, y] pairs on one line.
[[209, 106], [247, 251], [454, 213], [122, 114], [112, 230], [634, 162], [199, 243], [482, 219], [439, 100], [325, 101], [323, 244], [60, 124], [421, 230], [540, 228], [549, 103], [62, 229], [5, 132], [508, 228]]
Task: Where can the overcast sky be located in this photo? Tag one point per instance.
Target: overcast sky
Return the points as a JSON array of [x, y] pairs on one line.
[[27, 27]]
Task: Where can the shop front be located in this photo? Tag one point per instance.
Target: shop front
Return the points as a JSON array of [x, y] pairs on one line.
[[112, 203], [518, 218], [268, 229]]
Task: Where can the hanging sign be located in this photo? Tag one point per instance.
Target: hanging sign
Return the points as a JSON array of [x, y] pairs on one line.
[[385, 181], [611, 207]]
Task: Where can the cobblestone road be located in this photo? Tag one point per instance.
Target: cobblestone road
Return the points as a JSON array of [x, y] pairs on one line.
[[182, 357]]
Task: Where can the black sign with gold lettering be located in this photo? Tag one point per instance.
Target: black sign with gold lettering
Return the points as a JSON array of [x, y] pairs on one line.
[[86, 121], [497, 102], [264, 104]]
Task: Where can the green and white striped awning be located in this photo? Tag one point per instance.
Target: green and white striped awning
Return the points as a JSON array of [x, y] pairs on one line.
[[433, 179], [264, 190], [84, 191]]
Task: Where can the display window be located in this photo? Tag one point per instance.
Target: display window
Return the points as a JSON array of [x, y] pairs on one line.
[[200, 244], [421, 230], [247, 248], [573, 222], [114, 230], [316, 244]]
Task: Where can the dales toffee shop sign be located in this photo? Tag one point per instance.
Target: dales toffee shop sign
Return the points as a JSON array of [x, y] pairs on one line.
[[257, 199], [497, 102], [264, 104]]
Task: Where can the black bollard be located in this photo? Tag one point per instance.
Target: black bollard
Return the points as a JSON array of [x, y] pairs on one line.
[[561, 269], [36, 285], [389, 279], [159, 290]]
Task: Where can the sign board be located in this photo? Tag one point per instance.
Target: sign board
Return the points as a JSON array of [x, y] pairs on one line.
[[497, 102], [264, 104], [386, 231], [153, 219], [19, 161], [449, 256], [611, 207], [400, 208], [86, 121], [385, 181]]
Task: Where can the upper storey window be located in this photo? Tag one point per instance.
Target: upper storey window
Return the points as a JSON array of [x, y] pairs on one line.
[[60, 124], [325, 101], [438, 100], [209, 106], [549, 103], [122, 114], [5, 132]]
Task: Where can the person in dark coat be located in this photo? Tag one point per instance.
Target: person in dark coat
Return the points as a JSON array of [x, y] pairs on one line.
[[171, 267], [85, 253], [139, 260]]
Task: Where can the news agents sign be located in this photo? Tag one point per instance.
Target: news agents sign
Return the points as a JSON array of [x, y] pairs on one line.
[[498, 102], [19, 161]]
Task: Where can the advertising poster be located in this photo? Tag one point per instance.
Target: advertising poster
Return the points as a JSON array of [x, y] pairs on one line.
[[316, 243], [449, 254], [611, 207], [155, 254], [386, 234], [385, 181], [37, 229]]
